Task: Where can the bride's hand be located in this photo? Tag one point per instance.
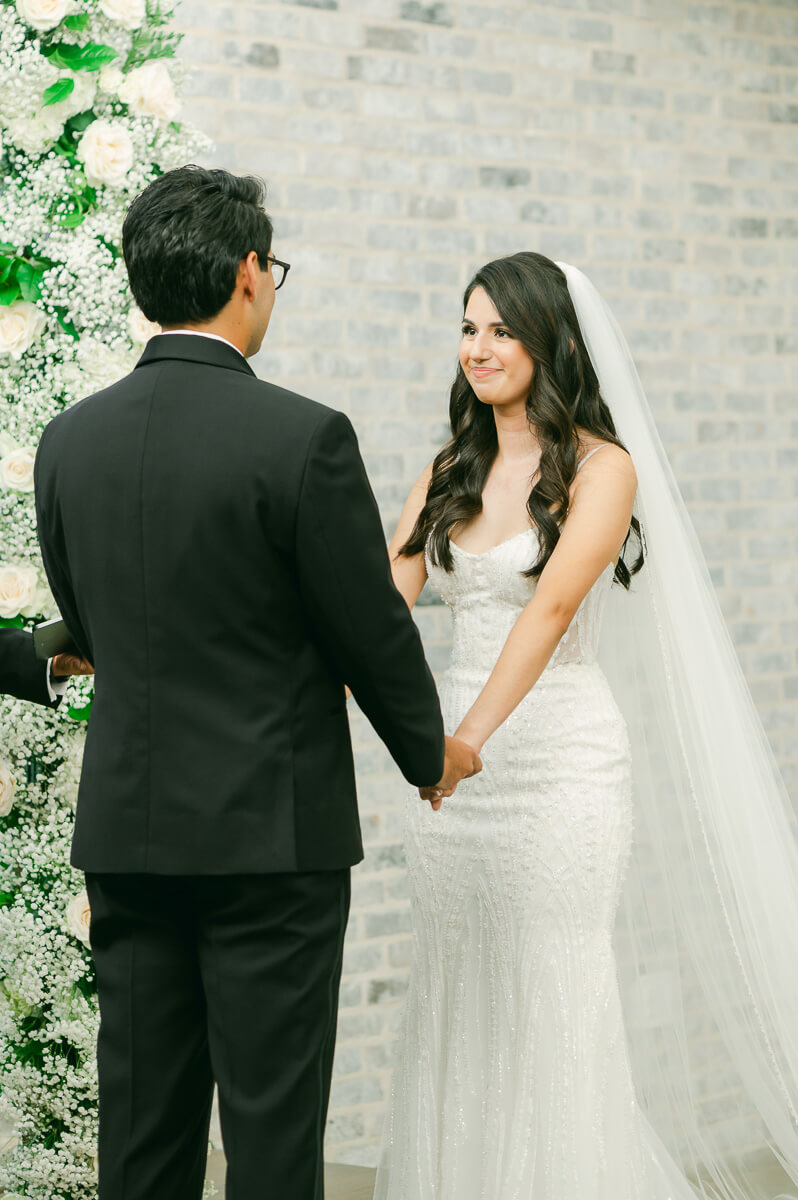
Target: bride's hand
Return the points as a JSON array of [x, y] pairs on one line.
[[461, 762]]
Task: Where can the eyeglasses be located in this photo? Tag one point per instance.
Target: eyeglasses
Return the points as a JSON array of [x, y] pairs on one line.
[[279, 278]]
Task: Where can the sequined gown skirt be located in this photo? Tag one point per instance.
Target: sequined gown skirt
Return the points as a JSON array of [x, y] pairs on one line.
[[512, 1080]]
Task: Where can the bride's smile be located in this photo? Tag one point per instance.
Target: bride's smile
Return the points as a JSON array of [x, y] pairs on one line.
[[495, 362]]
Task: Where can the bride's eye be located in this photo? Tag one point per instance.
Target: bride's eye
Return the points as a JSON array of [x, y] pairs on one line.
[[468, 330], [503, 333]]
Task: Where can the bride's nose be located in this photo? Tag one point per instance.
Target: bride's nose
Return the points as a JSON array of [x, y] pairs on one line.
[[478, 351]]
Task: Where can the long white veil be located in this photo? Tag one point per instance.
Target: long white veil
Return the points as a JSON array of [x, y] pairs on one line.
[[708, 929]]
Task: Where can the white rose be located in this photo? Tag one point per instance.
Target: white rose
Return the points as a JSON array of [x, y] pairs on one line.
[[79, 99], [130, 13], [107, 151], [35, 134], [78, 916], [16, 469], [18, 590], [149, 92], [20, 325], [140, 329], [111, 79], [100, 366], [43, 14], [7, 789]]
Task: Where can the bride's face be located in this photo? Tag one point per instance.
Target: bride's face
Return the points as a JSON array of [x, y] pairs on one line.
[[495, 363]]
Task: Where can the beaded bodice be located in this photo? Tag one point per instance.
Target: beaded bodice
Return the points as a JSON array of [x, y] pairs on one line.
[[486, 593]]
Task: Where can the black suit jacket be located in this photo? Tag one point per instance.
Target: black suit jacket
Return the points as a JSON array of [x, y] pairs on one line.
[[22, 674], [216, 551]]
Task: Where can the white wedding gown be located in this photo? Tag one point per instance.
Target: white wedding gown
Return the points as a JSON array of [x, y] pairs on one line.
[[512, 1079]]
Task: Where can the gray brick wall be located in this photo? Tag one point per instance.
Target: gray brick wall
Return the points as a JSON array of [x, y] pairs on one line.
[[407, 141]]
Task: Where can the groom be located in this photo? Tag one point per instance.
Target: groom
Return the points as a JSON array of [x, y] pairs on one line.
[[216, 551]]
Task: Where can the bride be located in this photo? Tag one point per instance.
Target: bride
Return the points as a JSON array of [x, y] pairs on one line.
[[628, 794]]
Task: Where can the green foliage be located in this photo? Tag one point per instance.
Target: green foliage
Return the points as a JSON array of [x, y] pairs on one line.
[[92, 57], [66, 324], [20, 278], [80, 714], [58, 91], [152, 40], [66, 145]]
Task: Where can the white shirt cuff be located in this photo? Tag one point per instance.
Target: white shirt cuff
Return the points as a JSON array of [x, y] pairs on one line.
[[55, 687]]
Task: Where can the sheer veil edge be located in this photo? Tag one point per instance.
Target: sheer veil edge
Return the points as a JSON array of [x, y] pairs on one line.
[[706, 935]]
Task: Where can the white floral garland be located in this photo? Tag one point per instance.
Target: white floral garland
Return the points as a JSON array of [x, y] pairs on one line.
[[87, 118]]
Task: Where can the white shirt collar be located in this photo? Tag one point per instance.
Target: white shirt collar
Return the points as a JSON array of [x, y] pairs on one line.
[[200, 333]]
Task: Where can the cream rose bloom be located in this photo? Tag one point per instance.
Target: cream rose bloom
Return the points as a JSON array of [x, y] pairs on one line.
[[100, 366], [129, 13], [16, 469], [79, 99], [110, 80], [20, 325], [7, 789], [43, 14], [78, 916], [140, 329], [149, 92], [19, 588], [35, 134], [107, 152]]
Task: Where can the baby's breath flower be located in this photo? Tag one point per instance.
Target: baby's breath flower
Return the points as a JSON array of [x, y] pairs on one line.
[[72, 331]]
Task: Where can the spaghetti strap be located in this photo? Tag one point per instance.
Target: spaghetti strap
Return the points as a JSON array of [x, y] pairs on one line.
[[593, 451]]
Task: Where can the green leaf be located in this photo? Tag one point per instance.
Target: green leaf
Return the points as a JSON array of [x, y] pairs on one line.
[[92, 57], [6, 899], [80, 714], [96, 57], [66, 324], [78, 21], [72, 220], [81, 121], [6, 267], [14, 622], [9, 292], [58, 91], [28, 279]]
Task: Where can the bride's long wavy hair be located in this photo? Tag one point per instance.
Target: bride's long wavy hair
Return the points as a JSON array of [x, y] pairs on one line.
[[531, 295]]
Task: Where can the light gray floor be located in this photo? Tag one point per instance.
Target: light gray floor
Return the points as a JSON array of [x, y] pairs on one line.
[[340, 1182], [357, 1183]]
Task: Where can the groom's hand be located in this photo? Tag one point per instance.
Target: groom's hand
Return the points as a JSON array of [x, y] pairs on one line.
[[461, 762], [64, 665]]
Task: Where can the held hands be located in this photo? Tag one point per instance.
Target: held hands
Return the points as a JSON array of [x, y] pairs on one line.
[[70, 664], [461, 762]]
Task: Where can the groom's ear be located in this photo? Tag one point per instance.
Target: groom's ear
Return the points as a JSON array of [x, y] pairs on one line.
[[249, 270]]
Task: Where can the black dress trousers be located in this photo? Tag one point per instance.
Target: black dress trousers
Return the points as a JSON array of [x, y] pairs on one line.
[[229, 978]]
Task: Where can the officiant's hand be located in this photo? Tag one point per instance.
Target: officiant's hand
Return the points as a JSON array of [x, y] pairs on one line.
[[461, 762], [64, 665]]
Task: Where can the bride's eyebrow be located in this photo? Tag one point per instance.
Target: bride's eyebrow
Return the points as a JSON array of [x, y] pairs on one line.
[[493, 324]]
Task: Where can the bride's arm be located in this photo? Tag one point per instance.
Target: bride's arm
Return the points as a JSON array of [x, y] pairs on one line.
[[592, 536], [410, 574]]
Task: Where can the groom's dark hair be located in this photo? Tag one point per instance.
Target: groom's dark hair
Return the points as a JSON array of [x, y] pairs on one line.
[[184, 237]]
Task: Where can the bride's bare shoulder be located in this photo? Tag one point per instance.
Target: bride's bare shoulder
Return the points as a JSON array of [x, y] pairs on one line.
[[422, 483]]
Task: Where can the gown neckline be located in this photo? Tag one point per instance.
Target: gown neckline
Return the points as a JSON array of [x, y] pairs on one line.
[[490, 550]]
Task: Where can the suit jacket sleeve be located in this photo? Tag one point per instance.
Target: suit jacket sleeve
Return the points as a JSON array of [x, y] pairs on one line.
[[51, 544], [22, 674], [364, 625]]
